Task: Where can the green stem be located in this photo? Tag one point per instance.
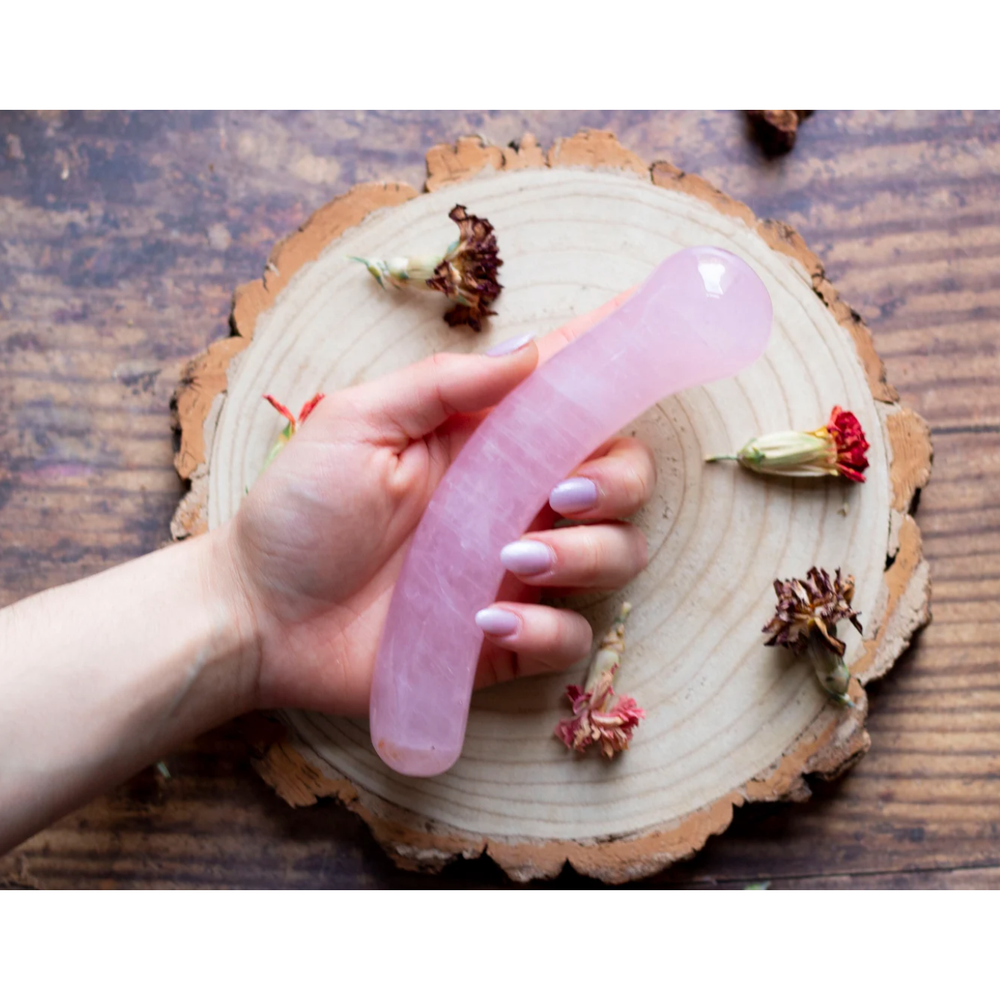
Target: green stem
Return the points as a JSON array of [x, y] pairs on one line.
[[831, 671]]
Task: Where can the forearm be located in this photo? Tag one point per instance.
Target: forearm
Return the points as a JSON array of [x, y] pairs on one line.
[[102, 677]]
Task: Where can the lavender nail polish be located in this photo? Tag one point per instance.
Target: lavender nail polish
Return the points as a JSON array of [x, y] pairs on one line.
[[510, 346], [526, 558], [496, 621], [573, 495]]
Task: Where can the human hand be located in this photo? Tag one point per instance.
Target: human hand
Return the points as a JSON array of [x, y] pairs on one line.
[[319, 542], [284, 605]]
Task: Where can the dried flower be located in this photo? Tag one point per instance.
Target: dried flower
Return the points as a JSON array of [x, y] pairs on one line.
[[597, 717], [836, 449], [805, 621], [777, 130], [466, 273], [291, 427], [816, 603]]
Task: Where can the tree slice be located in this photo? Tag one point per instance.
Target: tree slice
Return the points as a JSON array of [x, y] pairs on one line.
[[729, 721]]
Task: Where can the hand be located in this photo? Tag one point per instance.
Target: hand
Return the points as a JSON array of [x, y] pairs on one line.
[[284, 605], [320, 540]]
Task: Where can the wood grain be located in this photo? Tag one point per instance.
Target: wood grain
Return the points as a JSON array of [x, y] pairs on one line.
[[110, 277], [708, 747]]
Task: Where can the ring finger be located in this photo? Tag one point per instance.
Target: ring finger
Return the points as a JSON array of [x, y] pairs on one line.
[[592, 556]]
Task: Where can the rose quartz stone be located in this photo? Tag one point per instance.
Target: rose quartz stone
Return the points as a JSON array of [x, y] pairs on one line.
[[702, 315]]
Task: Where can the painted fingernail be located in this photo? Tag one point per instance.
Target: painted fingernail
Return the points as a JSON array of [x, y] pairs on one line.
[[510, 346], [526, 558], [496, 621], [573, 495]]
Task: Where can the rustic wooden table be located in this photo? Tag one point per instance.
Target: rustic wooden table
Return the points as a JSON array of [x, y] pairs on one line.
[[122, 237]]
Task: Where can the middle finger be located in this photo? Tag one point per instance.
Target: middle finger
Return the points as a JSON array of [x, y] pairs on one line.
[[612, 484]]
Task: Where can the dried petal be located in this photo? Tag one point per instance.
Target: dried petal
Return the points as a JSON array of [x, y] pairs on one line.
[[292, 426], [283, 410], [811, 606], [598, 716], [611, 727], [309, 406], [849, 437]]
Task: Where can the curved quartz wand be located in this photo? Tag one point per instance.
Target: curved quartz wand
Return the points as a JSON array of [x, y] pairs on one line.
[[702, 315]]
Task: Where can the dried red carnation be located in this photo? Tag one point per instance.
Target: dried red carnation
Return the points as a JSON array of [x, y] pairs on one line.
[[835, 449], [811, 608], [847, 434]]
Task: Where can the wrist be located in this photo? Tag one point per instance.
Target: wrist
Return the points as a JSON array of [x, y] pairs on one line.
[[236, 633]]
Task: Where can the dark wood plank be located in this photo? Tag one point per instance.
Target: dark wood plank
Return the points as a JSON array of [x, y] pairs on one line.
[[121, 239]]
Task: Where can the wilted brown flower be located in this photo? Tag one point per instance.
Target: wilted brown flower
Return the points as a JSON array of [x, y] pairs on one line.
[[777, 130], [466, 273], [814, 604], [805, 621]]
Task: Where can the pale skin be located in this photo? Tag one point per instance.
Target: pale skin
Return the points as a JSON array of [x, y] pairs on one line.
[[284, 605]]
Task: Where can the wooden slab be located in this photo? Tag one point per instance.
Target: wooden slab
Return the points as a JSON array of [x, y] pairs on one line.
[[729, 721]]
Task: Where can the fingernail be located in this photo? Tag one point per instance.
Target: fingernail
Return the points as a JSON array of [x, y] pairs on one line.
[[510, 346], [573, 495], [496, 621], [526, 558]]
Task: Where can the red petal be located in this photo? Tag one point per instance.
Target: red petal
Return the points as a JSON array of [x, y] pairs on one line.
[[566, 730], [849, 436], [283, 410], [849, 473], [310, 406]]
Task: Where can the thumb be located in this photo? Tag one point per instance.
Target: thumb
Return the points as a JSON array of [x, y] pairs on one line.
[[412, 402]]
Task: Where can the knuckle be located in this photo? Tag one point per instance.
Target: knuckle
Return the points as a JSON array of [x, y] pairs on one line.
[[648, 460], [556, 633], [442, 363], [441, 367], [578, 636], [568, 637], [591, 554], [635, 484]]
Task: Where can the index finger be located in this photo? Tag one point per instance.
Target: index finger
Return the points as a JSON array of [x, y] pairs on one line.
[[555, 341]]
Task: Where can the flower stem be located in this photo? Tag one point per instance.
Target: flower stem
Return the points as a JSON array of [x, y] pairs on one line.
[[830, 668], [610, 650]]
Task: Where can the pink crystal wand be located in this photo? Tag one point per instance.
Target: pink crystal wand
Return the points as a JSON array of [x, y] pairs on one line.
[[702, 315]]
